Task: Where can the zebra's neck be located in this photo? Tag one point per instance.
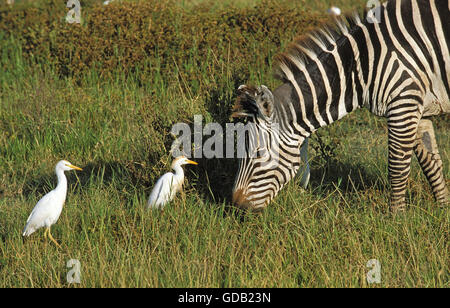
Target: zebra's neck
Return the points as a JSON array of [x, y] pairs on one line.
[[328, 79]]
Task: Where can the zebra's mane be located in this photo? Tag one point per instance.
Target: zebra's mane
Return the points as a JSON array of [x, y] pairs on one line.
[[313, 45]]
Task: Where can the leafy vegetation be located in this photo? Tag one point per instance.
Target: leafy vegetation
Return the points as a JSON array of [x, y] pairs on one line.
[[105, 94]]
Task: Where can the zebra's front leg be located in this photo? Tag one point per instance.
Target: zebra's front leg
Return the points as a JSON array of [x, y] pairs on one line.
[[304, 170], [427, 154], [402, 129]]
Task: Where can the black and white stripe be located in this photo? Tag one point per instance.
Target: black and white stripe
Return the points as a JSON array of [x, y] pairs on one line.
[[398, 67]]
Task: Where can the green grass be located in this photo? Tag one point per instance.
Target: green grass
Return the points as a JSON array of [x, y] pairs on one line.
[[117, 130]]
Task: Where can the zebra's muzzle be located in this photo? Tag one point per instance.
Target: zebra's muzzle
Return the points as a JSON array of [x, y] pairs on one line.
[[240, 199]]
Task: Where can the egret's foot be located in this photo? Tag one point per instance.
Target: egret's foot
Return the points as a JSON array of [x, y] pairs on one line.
[[52, 239]]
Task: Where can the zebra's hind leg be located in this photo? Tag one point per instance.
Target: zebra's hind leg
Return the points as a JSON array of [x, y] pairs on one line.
[[427, 154], [402, 129]]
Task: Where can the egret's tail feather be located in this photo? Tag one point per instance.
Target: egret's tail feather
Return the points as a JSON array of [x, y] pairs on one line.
[[27, 231]]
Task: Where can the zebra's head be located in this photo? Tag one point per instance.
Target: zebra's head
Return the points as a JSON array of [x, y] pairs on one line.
[[271, 155]]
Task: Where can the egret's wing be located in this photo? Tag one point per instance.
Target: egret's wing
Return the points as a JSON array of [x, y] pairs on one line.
[[39, 214], [160, 194]]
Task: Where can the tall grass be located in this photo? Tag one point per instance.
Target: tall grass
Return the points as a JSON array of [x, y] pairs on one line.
[[117, 129]]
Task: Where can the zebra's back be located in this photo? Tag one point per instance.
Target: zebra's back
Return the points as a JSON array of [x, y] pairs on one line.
[[419, 32]]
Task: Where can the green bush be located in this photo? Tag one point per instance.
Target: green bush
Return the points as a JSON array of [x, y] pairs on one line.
[[152, 36]]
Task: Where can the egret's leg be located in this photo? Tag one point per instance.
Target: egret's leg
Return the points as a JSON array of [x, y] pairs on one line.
[[45, 236], [51, 238]]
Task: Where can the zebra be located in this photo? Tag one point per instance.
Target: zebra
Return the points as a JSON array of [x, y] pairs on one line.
[[396, 65]]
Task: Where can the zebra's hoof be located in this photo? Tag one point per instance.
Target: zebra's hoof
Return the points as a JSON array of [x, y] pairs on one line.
[[396, 208], [443, 203]]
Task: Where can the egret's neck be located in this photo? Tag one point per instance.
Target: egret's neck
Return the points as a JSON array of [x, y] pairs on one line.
[[179, 172], [62, 181]]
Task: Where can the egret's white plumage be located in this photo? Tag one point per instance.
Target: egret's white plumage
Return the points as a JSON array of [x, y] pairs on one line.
[[46, 212], [169, 184]]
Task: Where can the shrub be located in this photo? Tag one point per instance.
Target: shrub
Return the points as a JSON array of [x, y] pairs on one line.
[[151, 37]]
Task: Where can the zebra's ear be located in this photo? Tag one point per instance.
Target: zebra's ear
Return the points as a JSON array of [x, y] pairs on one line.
[[245, 104], [265, 101]]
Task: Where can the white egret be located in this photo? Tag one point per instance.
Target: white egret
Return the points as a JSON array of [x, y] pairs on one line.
[[169, 184], [46, 212]]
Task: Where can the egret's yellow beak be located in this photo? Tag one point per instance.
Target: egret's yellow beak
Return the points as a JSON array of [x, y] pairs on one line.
[[74, 167], [191, 162]]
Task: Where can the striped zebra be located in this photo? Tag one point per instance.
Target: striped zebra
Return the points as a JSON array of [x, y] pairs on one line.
[[397, 66]]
